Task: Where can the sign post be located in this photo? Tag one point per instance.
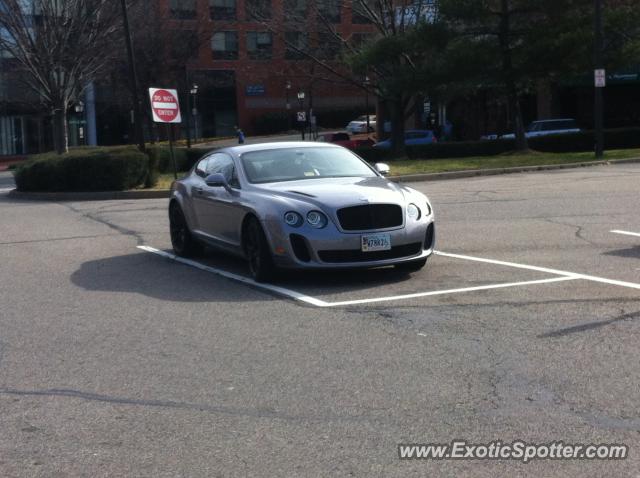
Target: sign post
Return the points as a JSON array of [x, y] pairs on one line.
[[165, 108]]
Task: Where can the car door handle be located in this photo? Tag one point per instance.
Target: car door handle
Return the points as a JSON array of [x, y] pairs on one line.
[[199, 190]]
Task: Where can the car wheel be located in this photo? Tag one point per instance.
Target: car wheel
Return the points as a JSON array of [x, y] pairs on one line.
[[184, 244], [258, 253], [413, 266]]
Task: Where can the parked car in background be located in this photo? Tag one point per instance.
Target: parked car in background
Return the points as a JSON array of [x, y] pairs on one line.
[[548, 127], [302, 206], [412, 137], [359, 125], [343, 139]]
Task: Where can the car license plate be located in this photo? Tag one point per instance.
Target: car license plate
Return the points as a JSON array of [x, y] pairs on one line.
[[376, 242]]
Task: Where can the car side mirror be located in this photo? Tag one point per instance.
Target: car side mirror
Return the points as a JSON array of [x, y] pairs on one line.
[[383, 168], [217, 180]]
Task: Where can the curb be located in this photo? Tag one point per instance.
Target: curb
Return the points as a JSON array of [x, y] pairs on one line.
[[492, 172], [164, 193]]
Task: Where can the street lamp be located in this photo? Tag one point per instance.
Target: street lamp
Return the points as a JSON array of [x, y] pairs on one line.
[[301, 101], [287, 89], [194, 112], [366, 102], [79, 109]]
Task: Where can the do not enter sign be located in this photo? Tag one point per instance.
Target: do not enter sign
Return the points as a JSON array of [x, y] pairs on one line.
[[164, 105]]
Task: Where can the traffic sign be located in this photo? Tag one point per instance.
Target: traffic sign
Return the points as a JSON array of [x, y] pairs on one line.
[[302, 116], [164, 105], [600, 76]]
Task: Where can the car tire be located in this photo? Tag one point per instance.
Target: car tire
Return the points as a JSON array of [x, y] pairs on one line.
[[413, 266], [182, 241], [258, 253]]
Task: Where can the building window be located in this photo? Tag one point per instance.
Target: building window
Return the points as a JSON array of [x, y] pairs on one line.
[[182, 9], [259, 45], [296, 43], [225, 45], [222, 9], [360, 10], [295, 10], [328, 46], [258, 9], [329, 10]]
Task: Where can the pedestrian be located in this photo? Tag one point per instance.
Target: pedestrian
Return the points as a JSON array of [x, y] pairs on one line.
[[240, 135]]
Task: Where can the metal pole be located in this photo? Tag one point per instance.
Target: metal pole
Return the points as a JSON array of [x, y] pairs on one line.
[[173, 158], [133, 78], [598, 100], [188, 115]]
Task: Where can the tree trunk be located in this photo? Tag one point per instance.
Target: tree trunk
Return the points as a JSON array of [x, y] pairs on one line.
[[508, 74], [60, 130], [397, 126], [521, 138]]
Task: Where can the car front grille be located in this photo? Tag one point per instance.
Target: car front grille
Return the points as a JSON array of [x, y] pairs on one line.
[[356, 255], [370, 216]]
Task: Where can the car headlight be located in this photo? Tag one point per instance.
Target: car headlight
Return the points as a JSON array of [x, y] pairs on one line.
[[317, 219], [413, 211], [293, 219], [429, 210]]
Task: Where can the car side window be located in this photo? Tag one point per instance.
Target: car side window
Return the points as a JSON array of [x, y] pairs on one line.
[[223, 163]]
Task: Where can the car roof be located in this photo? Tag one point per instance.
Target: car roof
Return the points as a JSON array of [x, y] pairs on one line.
[[248, 148]]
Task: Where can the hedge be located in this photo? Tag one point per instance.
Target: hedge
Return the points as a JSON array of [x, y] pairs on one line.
[[624, 138], [84, 169], [160, 156]]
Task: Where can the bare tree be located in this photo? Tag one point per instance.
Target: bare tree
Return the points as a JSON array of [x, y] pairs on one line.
[[378, 57], [61, 45]]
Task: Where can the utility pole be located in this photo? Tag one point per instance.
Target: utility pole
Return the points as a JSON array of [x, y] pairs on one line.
[[133, 79], [598, 100]]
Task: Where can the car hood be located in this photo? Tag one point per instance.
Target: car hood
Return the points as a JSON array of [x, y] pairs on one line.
[[340, 192]]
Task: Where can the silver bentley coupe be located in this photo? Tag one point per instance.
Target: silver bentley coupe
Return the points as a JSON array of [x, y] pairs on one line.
[[299, 205]]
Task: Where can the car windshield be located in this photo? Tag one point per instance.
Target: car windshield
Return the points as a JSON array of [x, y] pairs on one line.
[[291, 164]]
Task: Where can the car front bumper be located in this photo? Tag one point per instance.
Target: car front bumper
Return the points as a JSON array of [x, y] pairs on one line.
[[329, 248]]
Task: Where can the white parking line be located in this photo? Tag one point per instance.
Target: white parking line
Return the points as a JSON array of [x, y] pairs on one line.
[[574, 275], [449, 291], [245, 280], [564, 276], [626, 233]]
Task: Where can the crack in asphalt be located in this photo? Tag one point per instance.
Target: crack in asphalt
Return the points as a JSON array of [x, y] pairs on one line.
[[578, 233], [590, 326], [122, 230], [57, 239], [458, 305], [198, 407]]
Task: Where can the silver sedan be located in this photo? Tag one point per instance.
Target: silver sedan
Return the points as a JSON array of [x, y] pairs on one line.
[[300, 205]]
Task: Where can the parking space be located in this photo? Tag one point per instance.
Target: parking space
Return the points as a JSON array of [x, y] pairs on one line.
[[524, 325]]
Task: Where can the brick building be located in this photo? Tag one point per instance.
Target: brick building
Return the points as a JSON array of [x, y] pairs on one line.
[[247, 72]]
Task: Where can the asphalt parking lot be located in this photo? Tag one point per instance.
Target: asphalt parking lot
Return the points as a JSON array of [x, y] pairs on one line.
[[116, 360]]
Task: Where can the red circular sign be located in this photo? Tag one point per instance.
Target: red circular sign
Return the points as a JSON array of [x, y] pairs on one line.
[[165, 106]]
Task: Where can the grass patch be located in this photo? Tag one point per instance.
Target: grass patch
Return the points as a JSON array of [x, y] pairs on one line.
[[165, 180], [508, 160]]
